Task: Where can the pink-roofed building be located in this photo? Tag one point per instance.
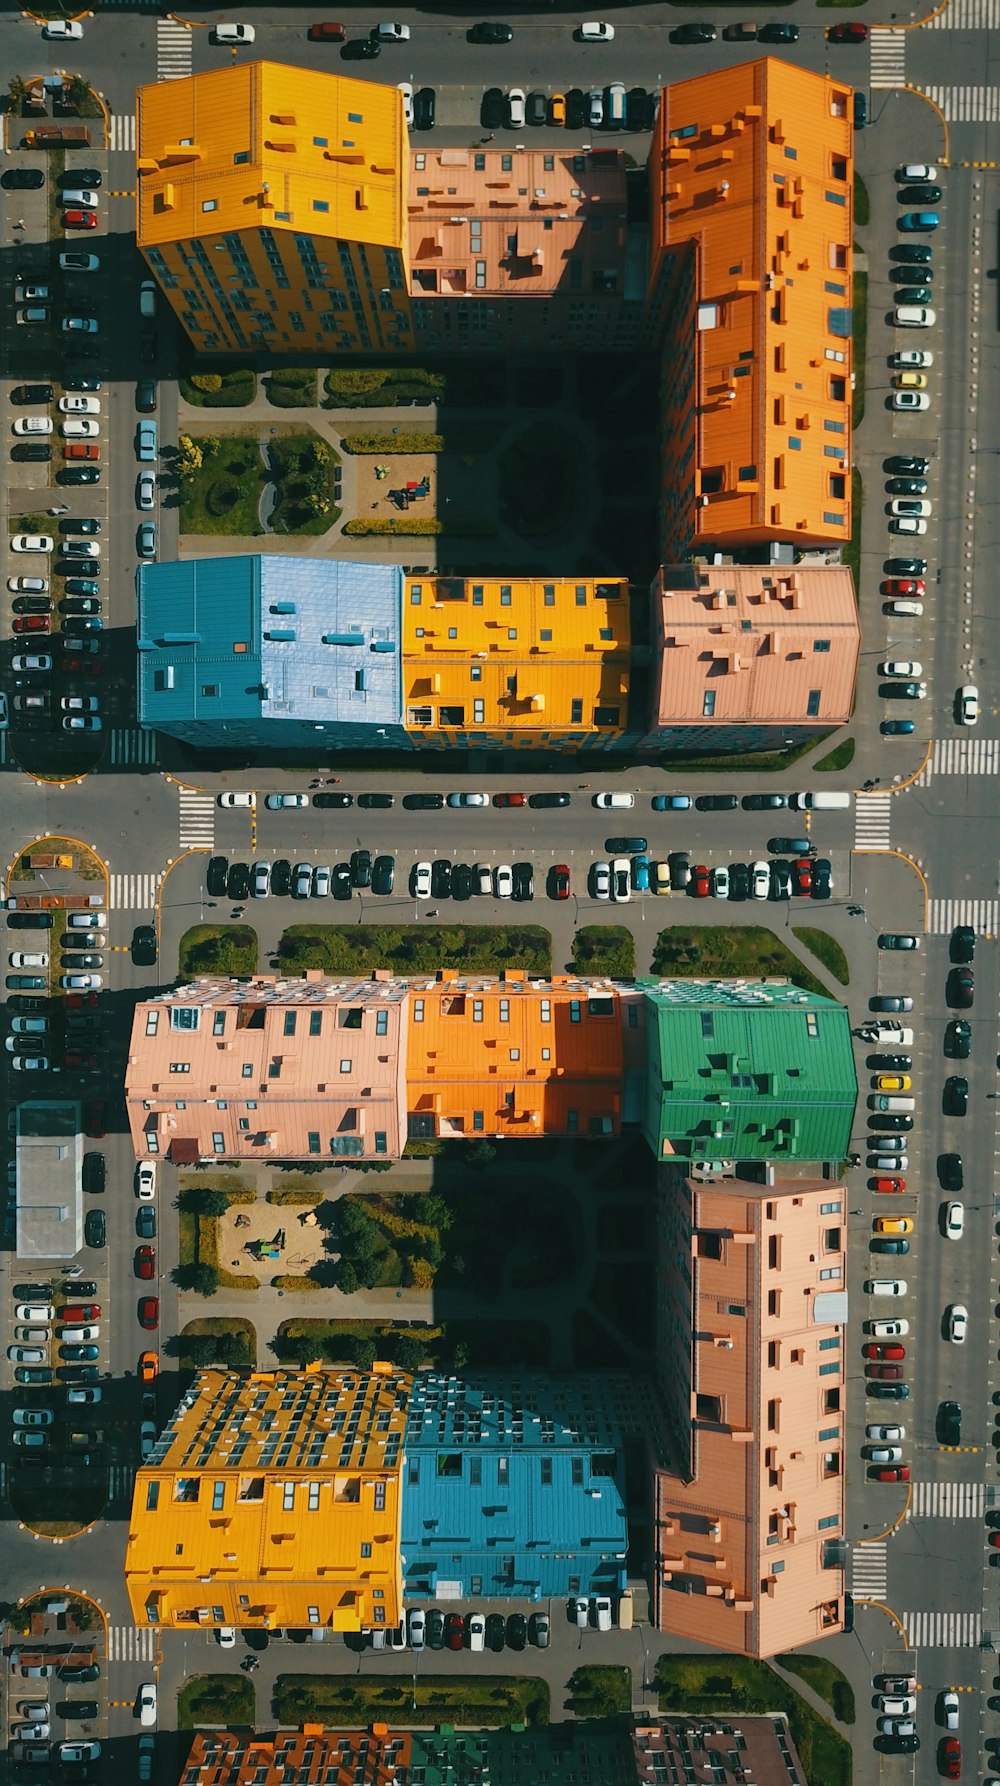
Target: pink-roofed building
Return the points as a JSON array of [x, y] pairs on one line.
[[269, 1069], [488, 226], [750, 657]]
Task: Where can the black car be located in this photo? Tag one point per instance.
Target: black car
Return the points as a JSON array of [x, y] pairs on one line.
[[905, 567], [424, 108], [370, 801], [95, 1228], [640, 109], [144, 946], [541, 800], [739, 880], [958, 1039], [31, 452], [906, 486], [31, 393], [679, 864], [32, 604], [625, 846], [435, 1629], [955, 1099], [22, 179], [889, 1063], [281, 878], [888, 1124], [383, 874], [782, 880], [576, 109], [911, 275], [906, 465], [95, 1173], [77, 382], [490, 34], [716, 802], [773, 32], [79, 176], [340, 880], [423, 802], [30, 920], [896, 1745], [962, 947], [536, 108], [215, 879], [26, 1006], [361, 49], [517, 1631], [78, 474], [763, 802], [951, 1173], [440, 878], [148, 343], [524, 882], [238, 882], [145, 1222], [493, 110], [461, 881], [495, 1631], [821, 878], [693, 34], [916, 251], [361, 868], [961, 990], [912, 294], [145, 396], [339, 801], [949, 1423], [922, 194]]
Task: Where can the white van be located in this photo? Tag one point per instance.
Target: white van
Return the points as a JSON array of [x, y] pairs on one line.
[[819, 801], [890, 1035], [886, 1286], [618, 800], [878, 1101], [614, 107]]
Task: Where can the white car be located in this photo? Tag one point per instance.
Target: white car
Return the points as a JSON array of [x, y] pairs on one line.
[[84, 1398], [503, 881], [145, 496], [28, 585], [968, 704], [236, 799], [886, 1435], [900, 666], [720, 883], [760, 880], [594, 31], [34, 1311], [516, 108], [79, 1336], [234, 34], [29, 958], [578, 1610], [80, 982], [885, 1286], [477, 1631], [145, 1181], [910, 400], [388, 32], [24, 662], [285, 802], [883, 1454], [54, 29], [907, 524], [916, 170], [911, 360], [420, 883], [145, 1703], [957, 1322], [468, 799], [33, 424], [79, 325], [75, 405], [949, 1710], [80, 428], [954, 1220], [87, 920], [30, 1063], [82, 196], [910, 505], [602, 1611], [887, 1329], [600, 880], [407, 91], [621, 880], [225, 1637], [76, 1751], [416, 1627], [913, 316], [260, 884], [604, 801], [321, 881], [31, 314], [905, 610], [595, 107]]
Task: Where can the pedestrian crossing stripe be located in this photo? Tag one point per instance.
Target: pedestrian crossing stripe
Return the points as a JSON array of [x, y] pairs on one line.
[[197, 819], [944, 914], [132, 892], [965, 15], [121, 131], [942, 1630], [131, 1643], [966, 105], [947, 1500], [868, 1571], [872, 820], [129, 744], [173, 50], [961, 756], [886, 57]]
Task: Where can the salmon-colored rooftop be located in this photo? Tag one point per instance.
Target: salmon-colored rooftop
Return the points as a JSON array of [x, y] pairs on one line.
[[744, 643], [517, 222]]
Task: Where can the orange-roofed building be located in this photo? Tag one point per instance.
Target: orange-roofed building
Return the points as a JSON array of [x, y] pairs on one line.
[[751, 1325], [508, 1057], [751, 214], [746, 658], [269, 1069]]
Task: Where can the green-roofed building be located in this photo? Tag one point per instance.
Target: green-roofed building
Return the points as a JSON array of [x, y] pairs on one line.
[[746, 1070]]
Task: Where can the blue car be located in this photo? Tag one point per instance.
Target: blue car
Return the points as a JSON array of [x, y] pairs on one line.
[[896, 728], [914, 220], [671, 802], [640, 873]]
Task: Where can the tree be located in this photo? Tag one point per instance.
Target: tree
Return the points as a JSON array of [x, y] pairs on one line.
[[76, 91], [347, 1278], [18, 89], [362, 1351], [201, 1278], [481, 1153], [190, 456], [459, 1356], [407, 1351], [200, 1348], [212, 1203]]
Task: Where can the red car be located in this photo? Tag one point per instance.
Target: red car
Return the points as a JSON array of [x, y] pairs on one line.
[[81, 1001], [559, 881], [80, 219], [80, 666], [510, 799], [896, 1473], [95, 1113], [950, 1758], [145, 1263], [454, 1630], [81, 1311], [893, 1351], [890, 1184], [326, 33], [31, 623], [80, 1063], [995, 1540], [149, 1311], [850, 32], [699, 882], [884, 1373], [904, 586], [802, 870]]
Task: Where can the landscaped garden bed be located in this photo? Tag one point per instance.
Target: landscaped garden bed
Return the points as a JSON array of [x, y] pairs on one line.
[[414, 948]]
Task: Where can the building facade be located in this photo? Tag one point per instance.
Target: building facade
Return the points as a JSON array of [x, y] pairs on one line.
[[272, 1500], [751, 1329], [746, 658], [728, 1749], [514, 1487]]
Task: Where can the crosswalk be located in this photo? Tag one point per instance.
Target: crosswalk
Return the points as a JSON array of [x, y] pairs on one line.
[[966, 105], [121, 131], [961, 756], [197, 820], [965, 15], [872, 816], [173, 50], [944, 914], [886, 57], [942, 1630], [131, 1643], [947, 1500], [868, 1571], [130, 745], [121, 1482], [132, 892]]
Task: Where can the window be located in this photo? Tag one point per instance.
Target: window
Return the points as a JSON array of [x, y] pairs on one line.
[[180, 1066], [545, 1468], [708, 703], [314, 1141], [831, 1240], [314, 1497], [185, 1017], [773, 1407], [218, 1496], [772, 1354], [831, 1271], [830, 1345], [247, 1069], [346, 1065], [576, 713], [210, 204], [418, 1010], [830, 1370], [708, 1407], [289, 1022], [315, 1023], [830, 1432], [152, 1022], [218, 1141], [288, 1497], [829, 1521], [774, 1252], [381, 1141], [477, 1121]]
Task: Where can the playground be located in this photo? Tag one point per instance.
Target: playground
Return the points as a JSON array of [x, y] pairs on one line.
[[399, 483], [266, 1241]]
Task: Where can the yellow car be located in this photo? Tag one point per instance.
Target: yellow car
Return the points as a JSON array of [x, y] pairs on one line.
[[893, 1224], [148, 1366], [910, 381], [892, 1082], [557, 108], [661, 877]]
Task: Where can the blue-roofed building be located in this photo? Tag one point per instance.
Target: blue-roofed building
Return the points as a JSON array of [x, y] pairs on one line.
[[274, 652], [513, 1487]]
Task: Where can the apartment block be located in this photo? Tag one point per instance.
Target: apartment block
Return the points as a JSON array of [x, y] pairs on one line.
[[751, 1329], [748, 658], [750, 302], [272, 1500], [516, 663], [514, 1487], [746, 1070], [581, 1753], [269, 1069], [730, 1752]]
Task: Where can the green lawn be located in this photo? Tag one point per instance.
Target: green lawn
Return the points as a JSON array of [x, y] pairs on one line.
[[215, 1699], [231, 387], [826, 949], [226, 1340], [730, 952], [355, 1701], [839, 757], [292, 387], [303, 465], [731, 1685], [825, 1678], [415, 948], [217, 949], [223, 494], [600, 1690], [604, 949]]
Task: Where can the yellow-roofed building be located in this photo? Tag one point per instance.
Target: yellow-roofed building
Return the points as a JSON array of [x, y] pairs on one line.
[[273, 1500], [521, 662], [271, 208]]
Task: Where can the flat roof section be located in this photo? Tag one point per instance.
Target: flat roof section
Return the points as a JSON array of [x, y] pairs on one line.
[[49, 1160]]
